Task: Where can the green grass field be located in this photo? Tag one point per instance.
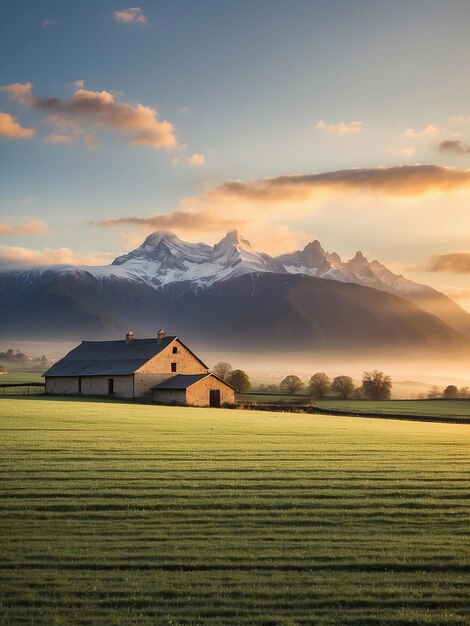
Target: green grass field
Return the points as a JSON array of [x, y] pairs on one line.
[[119, 514], [17, 376], [427, 408]]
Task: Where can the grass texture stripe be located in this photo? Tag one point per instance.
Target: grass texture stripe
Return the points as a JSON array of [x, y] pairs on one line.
[[119, 514]]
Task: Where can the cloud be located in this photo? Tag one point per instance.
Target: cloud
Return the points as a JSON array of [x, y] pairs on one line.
[[455, 262], [10, 128], [197, 159], [14, 255], [459, 119], [49, 22], [341, 129], [408, 152], [99, 109], [32, 227], [180, 219], [272, 209], [402, 180], [428, 131], [58, 138], [131, 15], [458, 147]]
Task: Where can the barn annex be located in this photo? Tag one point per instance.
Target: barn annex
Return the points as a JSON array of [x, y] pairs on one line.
[[162, 370]]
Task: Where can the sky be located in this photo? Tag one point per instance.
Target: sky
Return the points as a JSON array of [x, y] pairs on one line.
[[289, 121]]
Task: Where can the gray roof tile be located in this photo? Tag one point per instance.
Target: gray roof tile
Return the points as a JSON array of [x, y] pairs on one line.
[[180, 381], [108, 358]]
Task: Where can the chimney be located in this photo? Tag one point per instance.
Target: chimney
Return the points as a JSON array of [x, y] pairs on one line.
[[130, 336], [161, 334]]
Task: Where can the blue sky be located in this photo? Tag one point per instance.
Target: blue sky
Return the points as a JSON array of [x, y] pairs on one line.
[[254, 89]]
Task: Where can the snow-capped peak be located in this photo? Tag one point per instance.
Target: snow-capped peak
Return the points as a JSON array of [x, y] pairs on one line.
[[232, 241], [157, 237], [164, 258], [358, 258]]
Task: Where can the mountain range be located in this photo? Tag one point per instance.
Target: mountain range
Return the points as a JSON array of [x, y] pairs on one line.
[[232, 297]]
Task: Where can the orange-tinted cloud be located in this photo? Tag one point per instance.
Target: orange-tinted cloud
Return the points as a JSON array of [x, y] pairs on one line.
[[408, 152], [341, 129], [428, 131], [131, 15], [32, 227], [285, 200], [100, 109], [458, 147], [14, 255], [10, 128], [459, 119], [455, 262], [181, 220], [197, 159], [403, 180]]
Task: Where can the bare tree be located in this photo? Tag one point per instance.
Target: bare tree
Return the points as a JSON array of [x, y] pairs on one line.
[[343, 386], [223, 370], [376, 385], [319, 385], [292, 384], [434, 392]]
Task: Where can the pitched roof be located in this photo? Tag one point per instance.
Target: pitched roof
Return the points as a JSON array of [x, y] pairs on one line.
[[183, 381], [108, 358], [180, 381]]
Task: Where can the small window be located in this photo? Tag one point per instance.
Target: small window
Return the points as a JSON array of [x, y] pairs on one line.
[[173, 367], [110, 386], [175, 349]]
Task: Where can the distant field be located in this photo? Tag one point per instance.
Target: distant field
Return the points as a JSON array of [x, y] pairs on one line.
[[278, 398], [120, 514], [21, 377], [426, 408]]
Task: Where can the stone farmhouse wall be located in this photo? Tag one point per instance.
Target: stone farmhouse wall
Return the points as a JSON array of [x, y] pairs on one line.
[[170, 396], [198, 394], [159, 369], [91, 385]]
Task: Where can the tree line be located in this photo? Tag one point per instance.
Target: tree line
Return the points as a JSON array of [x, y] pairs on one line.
[[451, 391], [375, 384]]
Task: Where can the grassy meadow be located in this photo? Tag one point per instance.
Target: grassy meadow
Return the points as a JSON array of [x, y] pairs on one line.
[[121, 514], [459, 408]]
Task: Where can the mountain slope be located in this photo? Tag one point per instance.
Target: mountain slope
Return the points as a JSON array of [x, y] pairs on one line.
[[250, 312], [314, 261], [69, 303], [230, 294], [296, 312], [164, 259]]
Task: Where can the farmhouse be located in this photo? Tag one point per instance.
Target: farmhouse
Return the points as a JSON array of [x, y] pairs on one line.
[[162, 370]]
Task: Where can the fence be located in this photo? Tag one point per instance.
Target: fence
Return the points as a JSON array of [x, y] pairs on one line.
[[21, 389]]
